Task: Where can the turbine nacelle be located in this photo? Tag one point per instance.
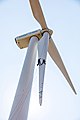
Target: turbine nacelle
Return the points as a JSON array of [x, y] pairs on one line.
[[23, 40]]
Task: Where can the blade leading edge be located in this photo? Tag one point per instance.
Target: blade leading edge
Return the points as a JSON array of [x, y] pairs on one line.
[[42, 54], [58, 61], [37, 13]]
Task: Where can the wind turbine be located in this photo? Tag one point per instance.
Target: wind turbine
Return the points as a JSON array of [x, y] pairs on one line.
[[41, 39]]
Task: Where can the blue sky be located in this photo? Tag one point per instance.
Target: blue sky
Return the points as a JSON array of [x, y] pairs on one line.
[[59, 101]]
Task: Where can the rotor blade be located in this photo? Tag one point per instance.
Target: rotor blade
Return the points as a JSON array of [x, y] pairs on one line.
[[57, 59], [42, 54], [20, 106], [37, 12]]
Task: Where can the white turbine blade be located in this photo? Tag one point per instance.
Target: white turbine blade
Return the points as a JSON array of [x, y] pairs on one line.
[[58, 61], [42, 54], [37, 12], [20, 106]]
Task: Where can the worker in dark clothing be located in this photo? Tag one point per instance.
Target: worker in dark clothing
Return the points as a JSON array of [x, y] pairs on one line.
[[41, 61]]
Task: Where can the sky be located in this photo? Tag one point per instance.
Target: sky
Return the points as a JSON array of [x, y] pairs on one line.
[[59, 101]]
